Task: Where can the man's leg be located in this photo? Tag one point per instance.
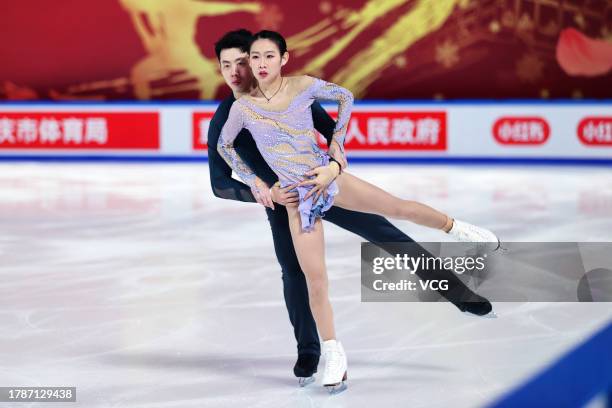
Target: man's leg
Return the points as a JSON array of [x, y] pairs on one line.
[[379, 230], [295, 289]]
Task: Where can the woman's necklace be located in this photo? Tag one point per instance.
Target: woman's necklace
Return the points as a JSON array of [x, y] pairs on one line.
[[264, 95]]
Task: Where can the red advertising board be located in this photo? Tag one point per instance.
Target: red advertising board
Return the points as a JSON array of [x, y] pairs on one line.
[[397, 131], [79, 130], [521, 130], [200, 124], [595, 131]]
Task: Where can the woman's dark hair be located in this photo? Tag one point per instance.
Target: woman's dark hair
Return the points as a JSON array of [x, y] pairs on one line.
[[240, 39], [273, 36]]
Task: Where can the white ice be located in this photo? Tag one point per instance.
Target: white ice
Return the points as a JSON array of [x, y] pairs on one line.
[[135, 284]]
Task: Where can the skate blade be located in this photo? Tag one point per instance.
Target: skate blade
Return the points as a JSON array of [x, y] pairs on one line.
[[490, 315], [304, 381], [336, 388], [486, 248], [339, 387], [501, 247]]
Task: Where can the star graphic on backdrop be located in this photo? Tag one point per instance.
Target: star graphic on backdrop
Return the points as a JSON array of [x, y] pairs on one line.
[[465, 4], [529, 68], [494, 26], [270, 18], [551, 28], [525, 23], [447, 54], [579, 20], [400, 61], [325, 7], [508, 19]]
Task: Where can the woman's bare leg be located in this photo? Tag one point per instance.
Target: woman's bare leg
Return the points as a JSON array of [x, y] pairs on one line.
[[359, 195], [310, 251]]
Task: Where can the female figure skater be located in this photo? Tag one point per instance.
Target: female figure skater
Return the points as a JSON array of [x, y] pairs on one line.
[[277, 113]]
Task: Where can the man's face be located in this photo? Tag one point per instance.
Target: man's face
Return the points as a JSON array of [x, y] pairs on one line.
[[235, 69]]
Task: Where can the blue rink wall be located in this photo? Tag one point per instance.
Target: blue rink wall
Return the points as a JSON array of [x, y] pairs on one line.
[[460, 132], [576, 379]]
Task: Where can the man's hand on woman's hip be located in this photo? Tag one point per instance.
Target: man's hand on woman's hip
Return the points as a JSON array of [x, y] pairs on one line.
[[262, 193], [282, 196]]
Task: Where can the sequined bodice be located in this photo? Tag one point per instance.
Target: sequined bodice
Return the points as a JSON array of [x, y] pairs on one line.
[[287, 140], [288, 143]]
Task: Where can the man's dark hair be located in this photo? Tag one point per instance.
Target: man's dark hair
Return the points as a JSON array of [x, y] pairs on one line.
[[273, 36], [240, 39]]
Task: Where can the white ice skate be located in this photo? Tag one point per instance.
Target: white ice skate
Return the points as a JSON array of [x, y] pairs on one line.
[[465, 232], [335, 366]]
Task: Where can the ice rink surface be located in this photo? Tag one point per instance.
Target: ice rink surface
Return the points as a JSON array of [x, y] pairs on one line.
[[136, 285]]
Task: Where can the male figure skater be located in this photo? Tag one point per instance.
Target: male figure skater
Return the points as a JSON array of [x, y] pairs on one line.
[[232, 53]]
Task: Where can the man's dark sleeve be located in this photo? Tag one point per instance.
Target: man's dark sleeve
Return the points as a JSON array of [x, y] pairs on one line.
[[323, 122], [223, 185]]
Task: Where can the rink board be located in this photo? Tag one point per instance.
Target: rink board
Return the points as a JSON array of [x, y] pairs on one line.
[[419, 131]]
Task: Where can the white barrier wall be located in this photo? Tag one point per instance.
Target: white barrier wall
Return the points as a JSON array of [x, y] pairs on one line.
[[400, 130]]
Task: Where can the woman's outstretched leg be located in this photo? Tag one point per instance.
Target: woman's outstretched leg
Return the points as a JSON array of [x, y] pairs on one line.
[[359, 195]]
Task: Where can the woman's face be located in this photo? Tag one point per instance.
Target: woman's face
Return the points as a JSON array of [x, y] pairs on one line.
[[266, 61]]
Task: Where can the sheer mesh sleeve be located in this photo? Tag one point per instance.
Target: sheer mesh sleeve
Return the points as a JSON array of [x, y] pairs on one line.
[[230, 131], [323, 90]]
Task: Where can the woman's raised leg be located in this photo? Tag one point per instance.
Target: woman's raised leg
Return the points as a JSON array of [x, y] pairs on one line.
[[359, 195]]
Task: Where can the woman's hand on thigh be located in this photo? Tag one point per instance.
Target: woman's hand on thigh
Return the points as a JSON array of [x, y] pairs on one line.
[[323, 176]]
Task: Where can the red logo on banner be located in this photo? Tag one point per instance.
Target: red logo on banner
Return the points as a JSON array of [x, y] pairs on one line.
[[595, 131], [395, 131], [521, 131], [79, 130], [200, 125]]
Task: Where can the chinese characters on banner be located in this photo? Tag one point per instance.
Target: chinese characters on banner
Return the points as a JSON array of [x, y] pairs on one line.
[[370, 131], [521, 131], [200, 124], [595, 131], [79, 130]]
